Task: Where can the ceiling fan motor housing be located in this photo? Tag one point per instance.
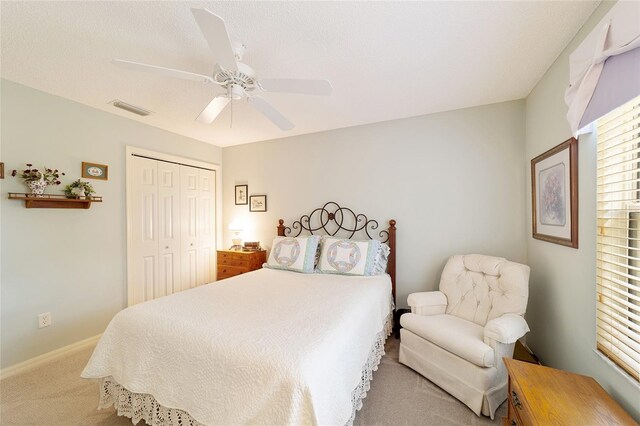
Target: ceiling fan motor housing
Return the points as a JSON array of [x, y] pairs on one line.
[[244, 77]]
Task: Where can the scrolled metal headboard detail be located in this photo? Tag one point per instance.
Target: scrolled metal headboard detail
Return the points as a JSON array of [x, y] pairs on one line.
[[332, 219], [332, 215]]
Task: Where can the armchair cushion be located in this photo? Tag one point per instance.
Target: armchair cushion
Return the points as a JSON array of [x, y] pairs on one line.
[[453, 334], [480, 288], [427, 303], [506, 329]]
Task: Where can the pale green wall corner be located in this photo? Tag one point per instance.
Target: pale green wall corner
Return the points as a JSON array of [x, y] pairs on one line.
[[562, 302], [452, 180], [67, 262]]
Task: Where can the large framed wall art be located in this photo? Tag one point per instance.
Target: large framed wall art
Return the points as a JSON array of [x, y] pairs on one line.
[[554, 192]]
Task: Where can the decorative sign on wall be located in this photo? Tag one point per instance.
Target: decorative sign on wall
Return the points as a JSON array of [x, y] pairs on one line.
[[258, 203], [554, 192], [95, 171]]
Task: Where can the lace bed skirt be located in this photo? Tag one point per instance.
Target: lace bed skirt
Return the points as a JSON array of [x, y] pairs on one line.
[[142, 406]]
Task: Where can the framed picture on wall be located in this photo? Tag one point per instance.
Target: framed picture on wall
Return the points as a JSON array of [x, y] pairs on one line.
[[554, 192], [258, 203], [241, 194], [1, 170], [95, 171]]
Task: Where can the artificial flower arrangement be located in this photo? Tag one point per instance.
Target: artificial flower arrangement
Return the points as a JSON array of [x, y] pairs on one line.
[[79, 189], [51, 177]]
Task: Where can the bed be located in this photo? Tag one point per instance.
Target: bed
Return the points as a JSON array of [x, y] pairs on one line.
[[267, 347]]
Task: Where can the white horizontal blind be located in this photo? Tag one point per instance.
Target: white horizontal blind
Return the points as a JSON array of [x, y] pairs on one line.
[[618, 240]]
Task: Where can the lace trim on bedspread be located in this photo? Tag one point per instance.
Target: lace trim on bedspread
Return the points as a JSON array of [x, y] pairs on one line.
[[377, 351], [142, 406]]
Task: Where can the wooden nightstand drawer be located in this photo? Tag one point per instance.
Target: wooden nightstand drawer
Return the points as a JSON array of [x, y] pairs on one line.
[[513, 418], [516, 404], [230, 271], [232, 263], [231, 255], [246, 263]]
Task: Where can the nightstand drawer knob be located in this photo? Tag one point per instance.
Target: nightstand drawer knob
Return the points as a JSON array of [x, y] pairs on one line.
[[516, 400]]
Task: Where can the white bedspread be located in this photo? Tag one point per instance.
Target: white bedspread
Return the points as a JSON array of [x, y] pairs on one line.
[[267, 347]]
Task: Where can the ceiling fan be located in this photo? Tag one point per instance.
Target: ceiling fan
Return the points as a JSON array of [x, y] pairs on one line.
[[239, 79]]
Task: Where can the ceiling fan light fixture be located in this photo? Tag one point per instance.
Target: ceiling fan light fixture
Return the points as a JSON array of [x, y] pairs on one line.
[[130, 108], [236, 92]]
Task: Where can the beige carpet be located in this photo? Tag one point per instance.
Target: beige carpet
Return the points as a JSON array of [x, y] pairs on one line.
[[54, 395]]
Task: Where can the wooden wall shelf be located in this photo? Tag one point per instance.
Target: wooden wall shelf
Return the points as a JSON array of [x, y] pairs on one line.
[[49, 201]]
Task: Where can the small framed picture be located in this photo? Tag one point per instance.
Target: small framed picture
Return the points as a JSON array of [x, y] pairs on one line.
[[1, 170], [241, 195], [95, 171], [554, 192], [258, 203]]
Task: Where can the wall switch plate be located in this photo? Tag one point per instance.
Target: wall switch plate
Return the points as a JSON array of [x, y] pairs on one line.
[[44, 320]]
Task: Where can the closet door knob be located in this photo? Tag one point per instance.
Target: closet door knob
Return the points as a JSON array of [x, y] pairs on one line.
[[191, 244], [167, 247]]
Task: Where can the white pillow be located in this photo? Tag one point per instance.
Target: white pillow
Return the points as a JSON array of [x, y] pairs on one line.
[[293, 254], [351, 257], [381, 259]]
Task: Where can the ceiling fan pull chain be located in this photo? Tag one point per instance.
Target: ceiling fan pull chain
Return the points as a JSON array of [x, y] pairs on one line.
[[231, 102]]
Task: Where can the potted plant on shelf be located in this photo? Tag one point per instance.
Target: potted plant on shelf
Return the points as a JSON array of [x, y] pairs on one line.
[[79, 189], [38, 180]]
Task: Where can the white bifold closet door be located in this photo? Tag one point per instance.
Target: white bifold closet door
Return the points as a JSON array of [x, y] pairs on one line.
[[168, 228], [197, 203], [172, 228]]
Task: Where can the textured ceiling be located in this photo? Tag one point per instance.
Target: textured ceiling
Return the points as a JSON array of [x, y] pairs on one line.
[[385, 60]]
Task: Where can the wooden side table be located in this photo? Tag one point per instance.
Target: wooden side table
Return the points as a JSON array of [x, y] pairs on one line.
[[545, 396], [231, 263]]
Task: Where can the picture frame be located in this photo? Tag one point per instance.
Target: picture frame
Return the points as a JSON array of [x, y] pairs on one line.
[[258, 203], [554, 194], [242, 197], [95, 171], [1, 170]]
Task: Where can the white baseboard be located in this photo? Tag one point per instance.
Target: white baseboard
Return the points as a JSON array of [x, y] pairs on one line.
[[32, 363]]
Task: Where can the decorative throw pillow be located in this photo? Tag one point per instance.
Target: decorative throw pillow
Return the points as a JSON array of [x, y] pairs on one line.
[[293, 254], [350, 257], [381, 259]]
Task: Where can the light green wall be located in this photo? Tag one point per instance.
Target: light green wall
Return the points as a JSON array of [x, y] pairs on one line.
[[562, 303], [67, 262], [453, 181]]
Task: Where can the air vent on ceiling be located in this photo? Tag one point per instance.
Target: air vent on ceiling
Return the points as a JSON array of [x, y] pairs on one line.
[[131, 108]]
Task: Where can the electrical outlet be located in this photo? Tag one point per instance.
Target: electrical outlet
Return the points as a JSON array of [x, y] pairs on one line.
[[44, 320]]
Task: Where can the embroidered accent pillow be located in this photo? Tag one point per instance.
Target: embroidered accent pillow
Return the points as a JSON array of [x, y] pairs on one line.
[[381, 259], [350, 257], [293, 254]]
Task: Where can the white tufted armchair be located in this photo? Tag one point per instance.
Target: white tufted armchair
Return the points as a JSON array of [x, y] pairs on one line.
[[457, 337]]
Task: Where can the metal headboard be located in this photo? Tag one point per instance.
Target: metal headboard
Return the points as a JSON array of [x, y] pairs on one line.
[[335, 220]]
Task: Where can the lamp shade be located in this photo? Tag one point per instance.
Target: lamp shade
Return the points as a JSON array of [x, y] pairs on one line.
[[235, 226]]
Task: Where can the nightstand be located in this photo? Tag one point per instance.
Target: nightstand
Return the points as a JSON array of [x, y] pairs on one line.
[[232, 263]]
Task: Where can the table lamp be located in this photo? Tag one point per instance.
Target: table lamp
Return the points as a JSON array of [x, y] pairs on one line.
[[236, 229]]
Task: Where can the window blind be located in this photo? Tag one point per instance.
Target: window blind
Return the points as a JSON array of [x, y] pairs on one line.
[[618, 239]]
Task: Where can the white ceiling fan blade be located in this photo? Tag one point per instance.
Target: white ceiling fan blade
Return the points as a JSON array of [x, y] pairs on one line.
[[294, 85], [215, 32], [211, 111], [167, 72], [271, 113]]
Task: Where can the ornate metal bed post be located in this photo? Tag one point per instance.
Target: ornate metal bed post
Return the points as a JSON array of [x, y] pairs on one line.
[[391, 265], [281, 228]]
